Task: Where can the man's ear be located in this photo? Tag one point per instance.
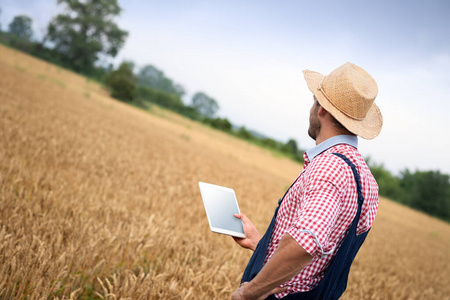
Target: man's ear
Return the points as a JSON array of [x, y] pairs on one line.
[[322, 111]]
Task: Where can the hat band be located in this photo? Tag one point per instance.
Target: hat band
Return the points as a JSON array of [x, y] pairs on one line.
[[320, 88]]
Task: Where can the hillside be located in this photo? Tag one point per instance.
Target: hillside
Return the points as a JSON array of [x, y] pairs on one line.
[[100, 199]]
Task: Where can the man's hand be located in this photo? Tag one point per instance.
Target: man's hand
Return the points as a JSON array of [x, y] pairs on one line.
[[239, 294], [287, 261], [252, 235]]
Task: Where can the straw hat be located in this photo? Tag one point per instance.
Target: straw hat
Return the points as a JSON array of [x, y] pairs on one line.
[[348, 94]]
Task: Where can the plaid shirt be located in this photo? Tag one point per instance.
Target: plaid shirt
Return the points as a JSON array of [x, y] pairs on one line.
[[320, 206]]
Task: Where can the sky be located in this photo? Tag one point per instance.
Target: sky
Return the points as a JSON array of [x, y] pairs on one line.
[[249, 57]]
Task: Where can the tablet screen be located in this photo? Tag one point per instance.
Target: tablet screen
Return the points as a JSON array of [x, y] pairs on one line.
[[220, 205]]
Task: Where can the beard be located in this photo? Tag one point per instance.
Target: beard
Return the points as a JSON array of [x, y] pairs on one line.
[[314, 126]]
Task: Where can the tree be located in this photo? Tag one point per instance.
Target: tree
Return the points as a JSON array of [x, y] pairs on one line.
[[85, 31], [269, 142], [389, 185], [428, 191], [242, 132], [290, 147], [219, 123], [154, 78], [122, 82], [21, 27], [159, 97], [204, 105]]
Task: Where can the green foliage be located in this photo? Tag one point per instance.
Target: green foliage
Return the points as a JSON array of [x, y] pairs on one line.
[[159, 97], [152, 77], [204, 105], [37, 49], [243, 133], [122, 82], [292, 150], [270, 143], [427, 191], [290, 147], [86, 30], [219, 123], [21, 27], [14, 41], [169, 101], [389, 186]]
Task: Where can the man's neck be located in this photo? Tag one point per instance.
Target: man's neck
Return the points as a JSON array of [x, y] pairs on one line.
[[328, 132], [325, 135]]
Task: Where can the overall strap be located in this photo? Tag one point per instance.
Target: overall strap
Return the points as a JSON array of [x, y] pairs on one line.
[[355, 174]]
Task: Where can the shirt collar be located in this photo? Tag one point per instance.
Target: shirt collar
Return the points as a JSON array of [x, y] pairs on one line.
[[351, 140]]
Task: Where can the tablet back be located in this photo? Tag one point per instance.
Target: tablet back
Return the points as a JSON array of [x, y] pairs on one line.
[[220, 205]]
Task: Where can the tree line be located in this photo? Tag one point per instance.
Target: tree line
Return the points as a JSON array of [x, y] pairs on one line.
[[150, 85], [427, 191], [84, 37]]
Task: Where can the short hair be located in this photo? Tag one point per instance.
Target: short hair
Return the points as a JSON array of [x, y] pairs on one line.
[[339, 126], [336, 124]]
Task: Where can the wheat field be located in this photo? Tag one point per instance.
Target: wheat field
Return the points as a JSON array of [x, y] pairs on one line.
[[99, 200]]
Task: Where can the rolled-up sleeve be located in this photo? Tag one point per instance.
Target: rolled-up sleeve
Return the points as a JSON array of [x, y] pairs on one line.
[[320, 206]]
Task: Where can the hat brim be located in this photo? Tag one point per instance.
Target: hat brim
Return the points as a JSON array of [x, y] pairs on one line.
[[368, 128]]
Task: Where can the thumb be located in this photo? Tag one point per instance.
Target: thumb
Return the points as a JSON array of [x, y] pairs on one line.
[[242, 217]]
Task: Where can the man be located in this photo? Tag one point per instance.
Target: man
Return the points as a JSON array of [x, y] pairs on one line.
[[325, 215]]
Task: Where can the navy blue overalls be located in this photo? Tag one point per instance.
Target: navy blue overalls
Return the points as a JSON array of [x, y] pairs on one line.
[[334, 283]]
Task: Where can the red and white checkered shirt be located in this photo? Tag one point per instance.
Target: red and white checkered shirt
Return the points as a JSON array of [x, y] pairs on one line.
[[319, 208]]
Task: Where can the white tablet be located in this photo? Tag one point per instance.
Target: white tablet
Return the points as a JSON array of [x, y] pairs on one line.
[[220, 205]]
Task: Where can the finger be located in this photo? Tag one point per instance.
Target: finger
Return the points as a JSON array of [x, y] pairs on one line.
[[242, 217], [279, 290], [274, 291]]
